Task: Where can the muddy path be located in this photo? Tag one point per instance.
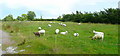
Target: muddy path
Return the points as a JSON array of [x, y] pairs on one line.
[[5, 39]]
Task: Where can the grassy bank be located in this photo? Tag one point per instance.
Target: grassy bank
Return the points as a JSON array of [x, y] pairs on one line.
[[63, 44]]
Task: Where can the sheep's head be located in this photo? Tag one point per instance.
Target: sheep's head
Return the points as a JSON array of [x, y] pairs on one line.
[[92, 38], [39, 28], [66, 31], [93, 31]]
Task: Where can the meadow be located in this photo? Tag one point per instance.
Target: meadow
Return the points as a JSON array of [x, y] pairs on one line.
[[53, 43]]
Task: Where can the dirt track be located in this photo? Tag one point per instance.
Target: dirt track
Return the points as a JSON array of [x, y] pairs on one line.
[[4, 39]]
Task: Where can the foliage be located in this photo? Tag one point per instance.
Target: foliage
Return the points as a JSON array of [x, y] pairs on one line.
[[8, 18], [31, 15], [109, 15]]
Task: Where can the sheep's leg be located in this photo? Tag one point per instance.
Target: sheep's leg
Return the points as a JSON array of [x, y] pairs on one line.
[[93, 37], [44, 34], [102, 37]]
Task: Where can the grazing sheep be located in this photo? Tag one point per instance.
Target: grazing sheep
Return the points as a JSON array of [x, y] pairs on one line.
[[51, 22], [79, 23], [60, 24], [98, 35], [57, 31], [49, 25], [39, 28], [64, 25], [64, 33], [42, 32], [0, 45], [37, 34], [76, 34]]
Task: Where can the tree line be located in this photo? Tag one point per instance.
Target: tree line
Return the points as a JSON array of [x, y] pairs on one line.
[[24, 17], [109, 15]]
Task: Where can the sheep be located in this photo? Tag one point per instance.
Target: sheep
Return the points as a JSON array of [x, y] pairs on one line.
[[42, 32], [51, 22], [37, 34], [98, 35], [64, 33], [64, 25], [79, 23], [49, 25], [39, 28], [60, 24], [0, 45], [95, 32], [57, 31], [76, 34]]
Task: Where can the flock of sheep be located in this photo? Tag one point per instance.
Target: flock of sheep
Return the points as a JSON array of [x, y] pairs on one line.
[[57, 31]]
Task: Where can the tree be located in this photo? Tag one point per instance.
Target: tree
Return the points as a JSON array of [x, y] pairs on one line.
[[18, 18], [109, 15], [31, 15], [8, 18], [24, 17]]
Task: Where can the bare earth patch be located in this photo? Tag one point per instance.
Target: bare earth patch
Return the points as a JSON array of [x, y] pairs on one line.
[[5, 39]]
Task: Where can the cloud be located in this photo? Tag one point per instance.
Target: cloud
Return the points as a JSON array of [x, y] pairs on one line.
[[53, 7]]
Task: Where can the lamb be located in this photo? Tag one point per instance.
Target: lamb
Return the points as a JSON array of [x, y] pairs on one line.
[[41, 32], [57, 31], [49, 25], [76, 34], [98, 35], [39, 28], [64, 33]]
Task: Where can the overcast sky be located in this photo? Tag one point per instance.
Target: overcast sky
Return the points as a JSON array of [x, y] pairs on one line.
[[52, 8]]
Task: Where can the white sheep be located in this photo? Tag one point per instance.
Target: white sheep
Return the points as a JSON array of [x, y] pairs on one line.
[[51, 22], [76, 34], [0, 45], [49, 25], [39, 28], [64, 33], [60, 24], [57, 31], [42, 31], [64, 25], [98, 35], [79, 23]]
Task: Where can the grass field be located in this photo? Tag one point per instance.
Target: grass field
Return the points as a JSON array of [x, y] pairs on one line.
[[63, 44]]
